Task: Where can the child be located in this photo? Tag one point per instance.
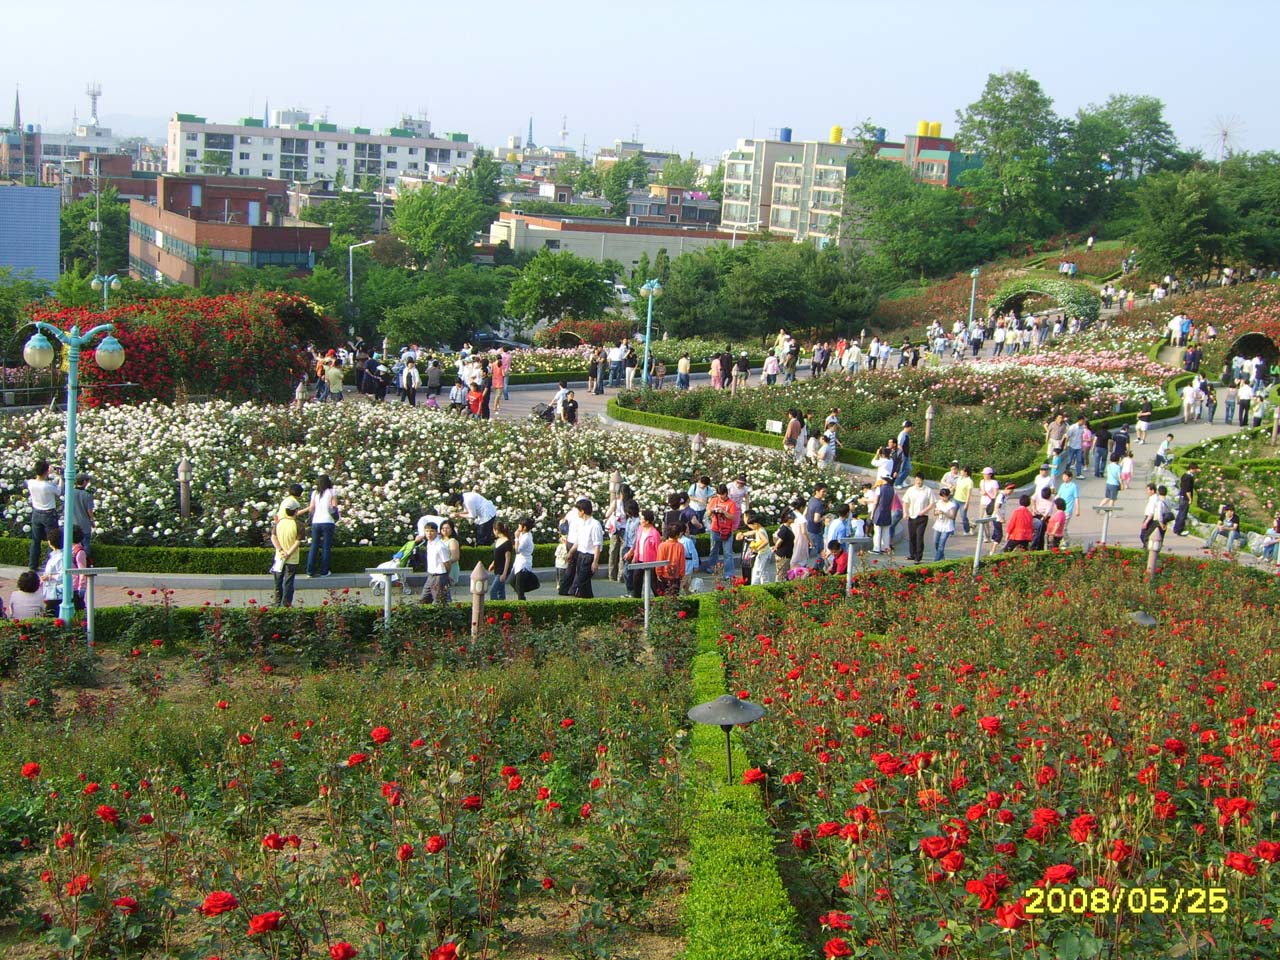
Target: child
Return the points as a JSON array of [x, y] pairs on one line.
[[475, 399], [835, 560], [691, 559], [1164, 453], [457, 397], [1057, 527], [1126, 471], [757, 556], [51, 579], [562, 556], [670, 552]]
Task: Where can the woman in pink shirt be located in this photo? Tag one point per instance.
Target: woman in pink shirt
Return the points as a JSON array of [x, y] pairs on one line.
[[645, 551]]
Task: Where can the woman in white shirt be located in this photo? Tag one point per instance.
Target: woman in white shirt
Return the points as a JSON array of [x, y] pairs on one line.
[[324, 518], [523, 578], [44, 510], [26, 603]]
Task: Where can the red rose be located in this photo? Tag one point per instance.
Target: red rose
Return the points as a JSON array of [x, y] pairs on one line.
[[753, 775], [472, 802], [341, 951], [548, 883], [448, 951], [146, 819], [265, 922], [436, 843], [566, 723], [126, 905], [356, 759], [990, 724], [935, 847], [585, 812], [90, 789], [273, 841], [405, 852], [837, 947], [984, 891], [1059, 873], [1011, 916], [219, 902], [380, 735], [836, 920], [31, 770], [78, 885], [1266, 850], [1243, 863], [109, 815], [952, 862], [245, 739], [515, 783]]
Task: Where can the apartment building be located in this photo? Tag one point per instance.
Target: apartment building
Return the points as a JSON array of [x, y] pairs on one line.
[[295, 148], [793, 189]]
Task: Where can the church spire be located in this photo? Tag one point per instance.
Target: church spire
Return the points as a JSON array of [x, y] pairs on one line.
[[17, 112]]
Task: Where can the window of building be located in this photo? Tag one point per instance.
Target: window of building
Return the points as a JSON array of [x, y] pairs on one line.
[[268, 141], [319, 144], [461, 155], [244, 171], [219, 141], [192, 153], [551, 244], [413, 164], [189, 168], [268, 156], [342, 161], [391, 164], [392, 149], [193, 137], [674, 218], [244, 141], [413, 151], [244, 155], [675, 199], [343, 146]]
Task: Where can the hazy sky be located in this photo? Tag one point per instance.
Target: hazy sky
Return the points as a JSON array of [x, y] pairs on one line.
[[690, 76]]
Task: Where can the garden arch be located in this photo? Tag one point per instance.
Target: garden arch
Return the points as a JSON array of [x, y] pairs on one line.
[[1074, 296], [1254, 344]]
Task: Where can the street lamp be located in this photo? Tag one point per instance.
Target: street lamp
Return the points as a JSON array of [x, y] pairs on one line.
[[351, 269], [651, 290], [733, 243], [38, 353], [973, 294], [105, 284]]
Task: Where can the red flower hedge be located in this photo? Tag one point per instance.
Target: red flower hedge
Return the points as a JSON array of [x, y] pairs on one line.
[[233, 347]]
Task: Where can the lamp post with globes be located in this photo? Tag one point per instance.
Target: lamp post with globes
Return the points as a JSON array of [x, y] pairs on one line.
[[39, 353], [651, 290], [973, 292], [105, 284]]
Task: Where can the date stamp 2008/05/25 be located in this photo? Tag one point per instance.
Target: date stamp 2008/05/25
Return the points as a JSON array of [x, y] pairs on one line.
[[1192, 901]]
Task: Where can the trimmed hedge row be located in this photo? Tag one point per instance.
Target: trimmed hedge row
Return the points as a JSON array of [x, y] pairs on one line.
[[182, 625], [737, 906], [1230, 471]]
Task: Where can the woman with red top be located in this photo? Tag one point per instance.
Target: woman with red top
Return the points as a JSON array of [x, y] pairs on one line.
[[671, 552], [1021, 527], [645, 550]]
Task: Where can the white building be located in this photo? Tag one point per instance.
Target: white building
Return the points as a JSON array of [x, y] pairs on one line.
[[295, 148], [794, 189]]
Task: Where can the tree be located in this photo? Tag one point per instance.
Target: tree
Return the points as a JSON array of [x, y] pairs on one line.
[[216, 163], [78, 241], [18, 292], [438, 223], [715, 183], [558, 286], [1251, 188], [431, 320], [1184, 226], [1013, 127], [349, 213], [1147, 142], [680, 173], [620, 179], [484, 179], [662, 265]]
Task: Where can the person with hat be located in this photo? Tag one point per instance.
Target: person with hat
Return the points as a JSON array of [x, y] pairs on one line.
[[951, 477], [989, 491], [1043, 481], [287, 542], [962, 493]]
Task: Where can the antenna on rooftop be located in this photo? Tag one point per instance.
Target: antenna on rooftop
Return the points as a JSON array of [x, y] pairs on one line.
[[1225, 131], [564, 130], [94, 91]]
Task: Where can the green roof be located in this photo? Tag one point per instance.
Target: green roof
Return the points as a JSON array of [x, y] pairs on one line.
[[934, 155], [189, 118], [251, 122], [364, 130], [399, 132], [327, 127], [458, 137], [306, 126]]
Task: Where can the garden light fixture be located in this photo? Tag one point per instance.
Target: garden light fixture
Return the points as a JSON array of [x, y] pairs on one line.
[[727, 712]]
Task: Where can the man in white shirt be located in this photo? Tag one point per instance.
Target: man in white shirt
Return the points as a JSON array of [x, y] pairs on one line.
[[917, 501], [951, 477], [439, 585], [617, 356], [480, 511], [586, 538], [44, 495], [427, 518], [1042, 482]]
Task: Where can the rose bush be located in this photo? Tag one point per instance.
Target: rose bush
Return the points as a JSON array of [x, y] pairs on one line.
[[941, 750]]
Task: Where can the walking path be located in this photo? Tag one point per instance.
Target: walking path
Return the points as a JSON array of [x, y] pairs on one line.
[[1125, 524]]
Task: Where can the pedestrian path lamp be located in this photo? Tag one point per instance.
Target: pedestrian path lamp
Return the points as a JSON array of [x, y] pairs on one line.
[[973, 293], [726, 713], [651, 290], [39, 353], [981, 524], [1106, 522], [1143, 619], [105, 284], [852, 545]]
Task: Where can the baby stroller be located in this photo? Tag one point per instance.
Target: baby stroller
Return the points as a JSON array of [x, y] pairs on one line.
[[402, 559], [544, 412]]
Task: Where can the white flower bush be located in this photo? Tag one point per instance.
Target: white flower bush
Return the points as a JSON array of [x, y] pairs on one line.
[[391, 463]]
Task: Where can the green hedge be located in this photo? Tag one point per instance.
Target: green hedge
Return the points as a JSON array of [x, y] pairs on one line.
[[1230, 471], [737, 906], [181, 625]]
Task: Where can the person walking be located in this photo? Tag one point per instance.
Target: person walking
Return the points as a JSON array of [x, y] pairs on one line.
[[1186, 491], [944, 523], [323, 511], [411, 380], [287, 543], [724, 520], [503, 564], [917, 501], [586, 539], [44, 494], [1244, 398], [438, 587]]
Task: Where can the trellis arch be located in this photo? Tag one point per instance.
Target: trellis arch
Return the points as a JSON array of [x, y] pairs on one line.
[[1074, 296]]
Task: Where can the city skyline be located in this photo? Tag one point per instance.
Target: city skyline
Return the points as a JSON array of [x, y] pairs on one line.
[[701, 77]]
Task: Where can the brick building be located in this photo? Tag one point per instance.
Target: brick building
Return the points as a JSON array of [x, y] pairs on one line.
[[199, 221]]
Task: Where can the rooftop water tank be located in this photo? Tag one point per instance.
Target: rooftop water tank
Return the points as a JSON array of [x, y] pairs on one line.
[[837, 134], [880, 134], [935, 129], [922, 128], [785, 134]]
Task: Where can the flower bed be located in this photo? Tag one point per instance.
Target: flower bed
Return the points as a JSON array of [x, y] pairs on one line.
[[392, 463], [945, 756], [439, 810], [986, 413], [238, 346], [1242, 469]]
